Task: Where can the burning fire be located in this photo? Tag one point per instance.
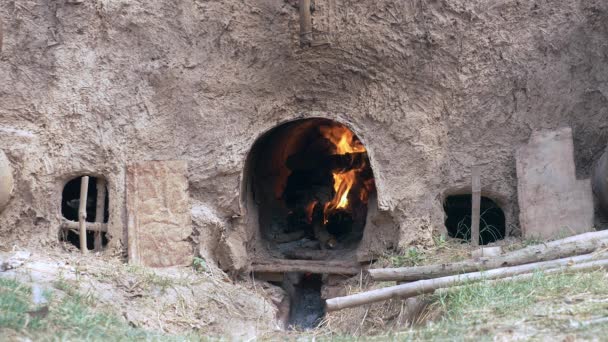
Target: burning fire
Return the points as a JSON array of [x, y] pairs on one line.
[[343, 138], [345, 142]]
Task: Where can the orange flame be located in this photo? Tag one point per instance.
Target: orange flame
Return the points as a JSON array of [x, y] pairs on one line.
[[343, 138], [345, 142], [343, 182]]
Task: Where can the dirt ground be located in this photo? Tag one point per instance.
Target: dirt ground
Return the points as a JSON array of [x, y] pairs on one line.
[[170, 300], [201, 301]]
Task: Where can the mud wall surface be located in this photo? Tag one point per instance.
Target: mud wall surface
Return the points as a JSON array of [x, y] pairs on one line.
[[430, 87]]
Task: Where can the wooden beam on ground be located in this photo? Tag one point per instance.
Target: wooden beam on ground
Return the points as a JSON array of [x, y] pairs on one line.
[[476, 204], [82, 213], [582, 267], [100, 210], [430, 285], [578, 244], [308, 266]]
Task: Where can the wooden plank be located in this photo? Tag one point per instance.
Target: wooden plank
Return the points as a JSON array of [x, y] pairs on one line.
[[305, 23], [308, 266], [100, 210], [476, 204], [82, 213]]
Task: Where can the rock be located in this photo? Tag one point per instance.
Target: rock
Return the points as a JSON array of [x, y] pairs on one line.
[[486, 252], [15, 260], [208, 225]]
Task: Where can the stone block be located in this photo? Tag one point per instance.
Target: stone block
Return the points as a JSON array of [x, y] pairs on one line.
[[6, 181], [158, 214], [552, 202]]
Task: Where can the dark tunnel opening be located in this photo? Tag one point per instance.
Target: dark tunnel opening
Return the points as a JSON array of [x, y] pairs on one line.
[[458, 219]]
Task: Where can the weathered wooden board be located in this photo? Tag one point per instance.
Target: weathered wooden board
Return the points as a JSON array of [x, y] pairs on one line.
[[158, 214], [552, 202]]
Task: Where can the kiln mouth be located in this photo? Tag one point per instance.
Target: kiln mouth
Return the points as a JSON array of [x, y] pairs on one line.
[[311, 182]]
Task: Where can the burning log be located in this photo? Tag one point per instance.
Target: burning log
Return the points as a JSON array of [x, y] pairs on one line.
[[326, 239], [329, 182], [340, 222]]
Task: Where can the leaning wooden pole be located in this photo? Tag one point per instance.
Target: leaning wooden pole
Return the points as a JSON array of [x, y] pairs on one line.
[[574, 245], [581, 267], [305, 23], [82, 213], [100, 210], [430, 285], [475, 204]]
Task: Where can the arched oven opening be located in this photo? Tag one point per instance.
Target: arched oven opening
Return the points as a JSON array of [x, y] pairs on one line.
[[310, 182]]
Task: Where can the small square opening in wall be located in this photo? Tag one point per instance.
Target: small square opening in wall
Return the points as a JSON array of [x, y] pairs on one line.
[[97, 213], [458, 219]]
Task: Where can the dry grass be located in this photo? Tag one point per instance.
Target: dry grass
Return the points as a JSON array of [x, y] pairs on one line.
[[181, 303], [195, 304], [562, 306], [546, 306]]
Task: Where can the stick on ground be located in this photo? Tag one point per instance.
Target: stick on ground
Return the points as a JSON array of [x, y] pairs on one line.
[[430, 285], [574, 245]]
